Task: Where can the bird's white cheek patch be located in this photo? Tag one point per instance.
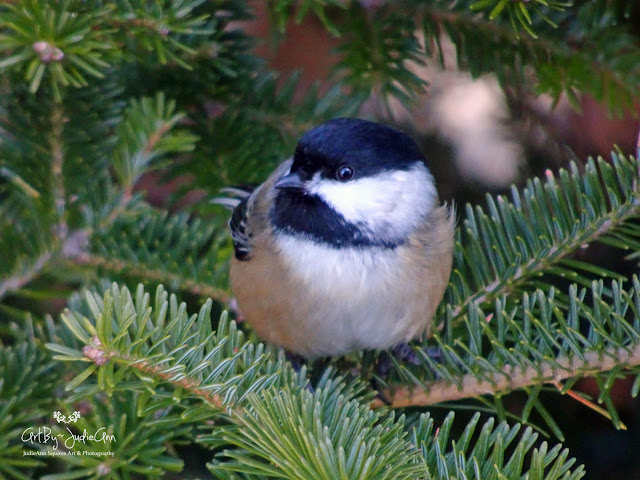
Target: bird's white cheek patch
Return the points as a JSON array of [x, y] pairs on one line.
[[390, 203]]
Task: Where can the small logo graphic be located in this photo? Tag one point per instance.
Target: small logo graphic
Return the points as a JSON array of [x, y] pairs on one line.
[[54, 440], [73, 418]]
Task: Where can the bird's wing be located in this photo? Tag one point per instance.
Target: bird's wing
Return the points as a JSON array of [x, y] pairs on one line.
[[238, 199], [251, 205], [238, 226]]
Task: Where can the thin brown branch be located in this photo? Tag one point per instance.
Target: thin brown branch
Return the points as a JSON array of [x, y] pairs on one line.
[[512, 378], [72, 245], [587, 403], [98, 355], [186, 383], [122, 205], [57, 164], [20, 279], [127, 25], [150, 274], [155, 137]]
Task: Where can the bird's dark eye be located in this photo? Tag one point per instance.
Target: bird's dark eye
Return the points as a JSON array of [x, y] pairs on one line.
[[345, 173]]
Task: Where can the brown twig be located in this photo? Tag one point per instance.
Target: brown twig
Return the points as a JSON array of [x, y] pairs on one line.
[[186, 284], [57, 164], [512, 378], [20, 279], [98, 355], [587, 403]]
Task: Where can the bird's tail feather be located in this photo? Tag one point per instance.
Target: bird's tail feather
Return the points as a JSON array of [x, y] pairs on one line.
[[234, 195]]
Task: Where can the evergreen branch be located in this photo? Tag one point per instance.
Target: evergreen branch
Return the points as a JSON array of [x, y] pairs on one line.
[[599, 57], [72, 152], [281, 11], [465, 19], [127, 338], [23, 276], [71, 246], [150, 25], [143, 271], [327, 434], [519, 12], [162, 28], [287, 432], [332, 434], [99, 355], [57, 166], [556, 253], [166, 374], [149, 244], [135, 438], [50, 40], [258, 128], [19, 182], [537, 341], [513, 242], [512, 378], [121, 206], [380, 50], [26, 396], [484, 45], [483, 454], [144, 135]]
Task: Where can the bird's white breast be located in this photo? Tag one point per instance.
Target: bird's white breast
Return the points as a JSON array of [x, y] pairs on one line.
[[358, 297]]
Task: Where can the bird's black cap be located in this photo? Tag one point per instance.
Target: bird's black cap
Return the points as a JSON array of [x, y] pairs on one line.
[[361, 147], [367, 146]]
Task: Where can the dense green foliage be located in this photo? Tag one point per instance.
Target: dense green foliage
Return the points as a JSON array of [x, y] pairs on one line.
[[97, 98]]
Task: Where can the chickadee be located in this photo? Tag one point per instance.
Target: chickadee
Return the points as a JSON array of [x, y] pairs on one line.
[[345, 246]]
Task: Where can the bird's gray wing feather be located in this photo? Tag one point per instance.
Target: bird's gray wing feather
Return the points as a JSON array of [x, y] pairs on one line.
[[238, 200]]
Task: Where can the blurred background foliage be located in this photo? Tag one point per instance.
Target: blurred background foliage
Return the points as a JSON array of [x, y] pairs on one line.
[[120, 121]]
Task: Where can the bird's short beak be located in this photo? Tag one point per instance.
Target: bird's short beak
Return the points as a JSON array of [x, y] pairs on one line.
[[291, 182]]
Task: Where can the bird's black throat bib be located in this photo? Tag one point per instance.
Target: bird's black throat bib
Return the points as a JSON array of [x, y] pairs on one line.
[[310, 217]]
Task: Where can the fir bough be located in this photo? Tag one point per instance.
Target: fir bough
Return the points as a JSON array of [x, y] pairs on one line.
[[170, 379], [96, 95]]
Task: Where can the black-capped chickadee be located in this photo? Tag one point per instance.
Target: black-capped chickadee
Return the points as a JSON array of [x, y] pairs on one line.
[[345, 246]]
